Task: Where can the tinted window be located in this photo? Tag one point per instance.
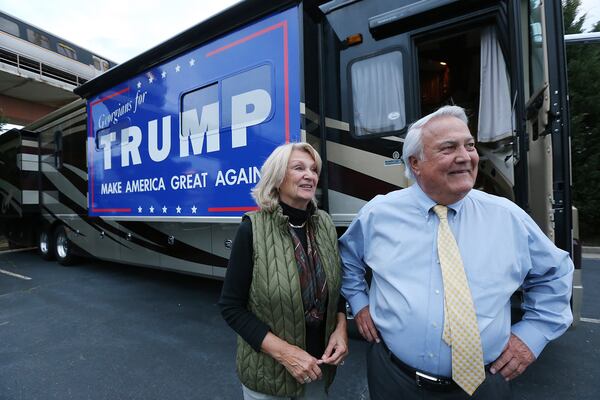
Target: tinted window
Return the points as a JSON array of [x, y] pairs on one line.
[[257, 84], [9, 27], [112, 134], [200, 117], [66, 51], [536, 47], [38, 38]]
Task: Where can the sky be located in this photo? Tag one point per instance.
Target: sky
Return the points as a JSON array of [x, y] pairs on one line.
[[592, 8], [115, 29]]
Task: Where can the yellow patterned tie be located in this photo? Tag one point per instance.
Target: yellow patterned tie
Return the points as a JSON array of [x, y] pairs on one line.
[[460, 324]]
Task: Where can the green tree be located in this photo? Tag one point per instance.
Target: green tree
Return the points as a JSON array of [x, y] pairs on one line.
[[583, 64]]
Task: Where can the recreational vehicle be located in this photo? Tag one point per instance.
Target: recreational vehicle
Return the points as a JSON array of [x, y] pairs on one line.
[[155, 164]]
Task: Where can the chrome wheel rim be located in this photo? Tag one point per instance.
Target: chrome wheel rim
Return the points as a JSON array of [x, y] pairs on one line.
[[44, 242], [62, 246]]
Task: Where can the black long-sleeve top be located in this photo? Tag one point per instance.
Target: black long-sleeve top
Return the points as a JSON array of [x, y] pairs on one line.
[[236, 288]]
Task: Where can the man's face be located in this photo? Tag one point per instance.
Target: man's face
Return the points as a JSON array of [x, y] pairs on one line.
[[449, 166]]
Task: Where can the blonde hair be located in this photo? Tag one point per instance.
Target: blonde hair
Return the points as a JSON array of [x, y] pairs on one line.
[[272, 174]]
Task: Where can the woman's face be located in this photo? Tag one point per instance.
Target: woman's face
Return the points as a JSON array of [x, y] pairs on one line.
[[300, 182]]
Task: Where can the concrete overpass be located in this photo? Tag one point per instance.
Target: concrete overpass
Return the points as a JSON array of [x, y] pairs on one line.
[[39, 70], [28, 91]]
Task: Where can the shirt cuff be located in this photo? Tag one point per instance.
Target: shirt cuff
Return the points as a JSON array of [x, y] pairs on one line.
[[532, 337], [358, 302]]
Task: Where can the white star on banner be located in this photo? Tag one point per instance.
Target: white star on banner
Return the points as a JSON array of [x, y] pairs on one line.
[[194, 209], [140, 209], [163, 74], [150, 79], [151, 209], [164, 209], [177, 68], [178, 210], [139, 84], [192, 62]]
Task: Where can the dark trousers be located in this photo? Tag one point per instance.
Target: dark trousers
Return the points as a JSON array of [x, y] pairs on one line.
[[388, 382]]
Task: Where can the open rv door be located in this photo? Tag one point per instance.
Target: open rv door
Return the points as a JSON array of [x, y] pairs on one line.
[[548, 116], [549, 134]]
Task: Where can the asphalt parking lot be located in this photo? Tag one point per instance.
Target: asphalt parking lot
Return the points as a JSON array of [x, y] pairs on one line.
[[108, 331]]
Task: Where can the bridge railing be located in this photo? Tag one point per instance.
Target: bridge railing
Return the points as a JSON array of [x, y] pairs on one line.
[[38, 67]]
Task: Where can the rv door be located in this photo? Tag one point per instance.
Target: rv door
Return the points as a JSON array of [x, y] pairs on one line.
[[547, 115]]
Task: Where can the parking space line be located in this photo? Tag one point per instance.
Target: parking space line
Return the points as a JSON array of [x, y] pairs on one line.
[[592, 320], [14, 275]]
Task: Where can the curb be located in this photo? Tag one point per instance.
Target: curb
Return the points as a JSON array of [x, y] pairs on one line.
[[590, 252]]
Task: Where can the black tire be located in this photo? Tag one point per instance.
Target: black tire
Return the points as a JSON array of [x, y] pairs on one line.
[[45, 247], [63, 248]]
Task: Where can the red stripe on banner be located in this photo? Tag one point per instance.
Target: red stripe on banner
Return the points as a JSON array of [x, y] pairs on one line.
[[111, 210], [286, 83], [245, 39], [109, 97], [232, 209]]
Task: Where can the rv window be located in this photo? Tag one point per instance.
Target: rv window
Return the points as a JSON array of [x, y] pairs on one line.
[[378, 94], [9, 27], [536, 47], [200, 111], [38, 38], [249, 92], [112, 134]]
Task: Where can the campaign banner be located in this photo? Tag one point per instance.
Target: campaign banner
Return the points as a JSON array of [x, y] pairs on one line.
[[187, 138]]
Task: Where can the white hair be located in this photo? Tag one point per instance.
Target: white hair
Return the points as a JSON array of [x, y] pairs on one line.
[[413, 143], [272, 174]]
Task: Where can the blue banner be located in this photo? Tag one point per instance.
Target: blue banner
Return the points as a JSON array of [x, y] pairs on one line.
[[187, 138]]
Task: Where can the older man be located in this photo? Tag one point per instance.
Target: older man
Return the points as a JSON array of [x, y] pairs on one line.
[[446, 259]]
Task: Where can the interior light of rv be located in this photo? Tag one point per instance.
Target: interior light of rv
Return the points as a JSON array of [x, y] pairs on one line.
[[443, 63], [353, 40]]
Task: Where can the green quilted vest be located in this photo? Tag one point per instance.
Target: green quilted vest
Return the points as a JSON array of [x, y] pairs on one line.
[[275, 298]]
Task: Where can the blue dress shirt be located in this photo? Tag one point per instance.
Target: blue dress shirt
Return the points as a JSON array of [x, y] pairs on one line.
[[502, 249]]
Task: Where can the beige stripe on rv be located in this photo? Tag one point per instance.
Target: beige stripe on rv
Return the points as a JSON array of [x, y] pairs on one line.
[[366, 163]]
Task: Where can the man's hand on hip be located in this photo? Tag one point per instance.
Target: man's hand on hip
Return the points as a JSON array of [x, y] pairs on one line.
[[365, 325], [515, 358]]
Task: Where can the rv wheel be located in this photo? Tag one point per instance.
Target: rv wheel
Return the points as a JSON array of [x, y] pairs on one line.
[[45, 245], [62, 247]]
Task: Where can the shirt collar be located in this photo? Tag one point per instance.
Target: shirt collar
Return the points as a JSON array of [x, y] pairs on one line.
[[425, 203]]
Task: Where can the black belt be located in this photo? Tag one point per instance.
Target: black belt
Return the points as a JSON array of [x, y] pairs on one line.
[[422, 379]]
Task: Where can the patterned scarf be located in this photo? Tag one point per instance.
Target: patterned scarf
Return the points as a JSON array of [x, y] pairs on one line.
[[313, 281]]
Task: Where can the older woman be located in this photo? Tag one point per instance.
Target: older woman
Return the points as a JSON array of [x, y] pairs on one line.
[[281, 291]]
